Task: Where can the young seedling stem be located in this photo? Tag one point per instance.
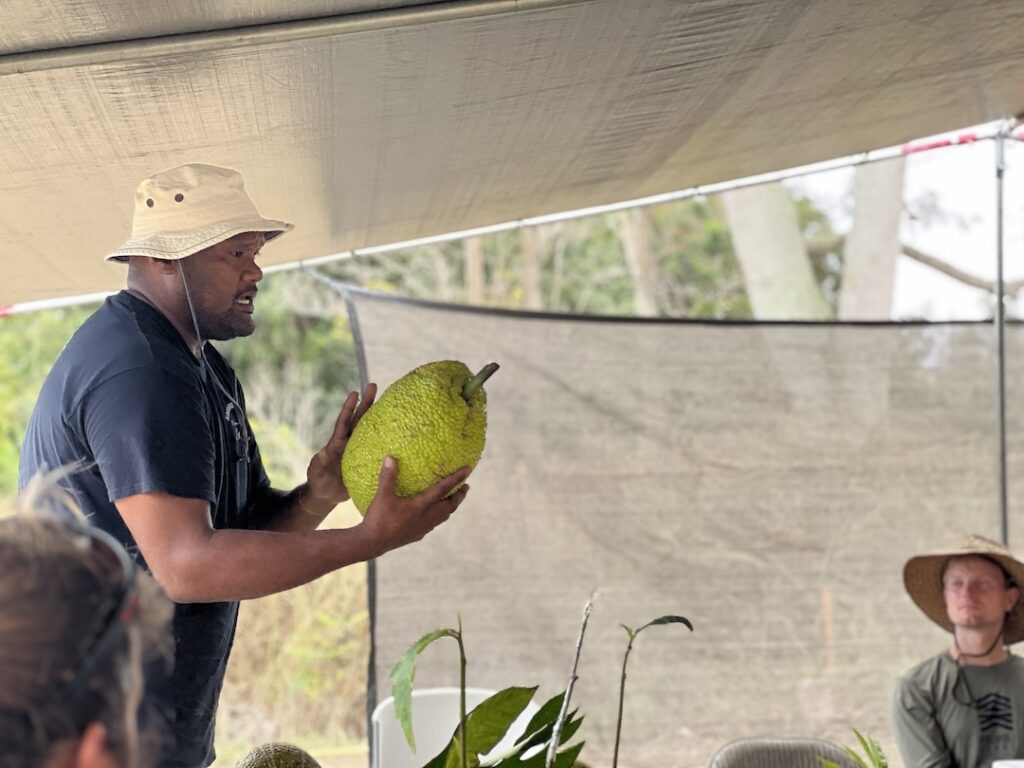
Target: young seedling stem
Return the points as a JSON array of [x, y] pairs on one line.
[[556, 733], [462, 697]]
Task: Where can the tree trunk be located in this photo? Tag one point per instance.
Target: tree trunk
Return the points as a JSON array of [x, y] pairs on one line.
[[869, 257], [770, 248], [869, 271], [475, 283], [635, 233]]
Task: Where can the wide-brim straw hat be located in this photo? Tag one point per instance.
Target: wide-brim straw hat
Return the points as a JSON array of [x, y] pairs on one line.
[[183, 210], [922, 576]]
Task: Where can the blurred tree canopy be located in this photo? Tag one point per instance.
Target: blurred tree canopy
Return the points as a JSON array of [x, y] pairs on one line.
[[300, 363]]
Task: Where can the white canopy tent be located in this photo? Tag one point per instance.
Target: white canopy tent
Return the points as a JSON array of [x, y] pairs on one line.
[[367, 123]]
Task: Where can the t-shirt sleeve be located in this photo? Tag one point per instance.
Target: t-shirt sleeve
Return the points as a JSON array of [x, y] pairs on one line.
[[916, 728], [149, 431]]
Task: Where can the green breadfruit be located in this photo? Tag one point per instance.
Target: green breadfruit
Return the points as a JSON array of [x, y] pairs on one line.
[[278, 755], [432, 420]]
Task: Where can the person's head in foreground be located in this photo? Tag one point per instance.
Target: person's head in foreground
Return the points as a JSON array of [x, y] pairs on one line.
[[974, 593], [76, 621]]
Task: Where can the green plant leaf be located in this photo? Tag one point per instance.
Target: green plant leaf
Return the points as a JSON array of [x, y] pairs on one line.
[[402, 675], [544, 734], [487, 724], [828, 763], [564, 759], [544, 716], [857, 759], [667, 620], [872, 749]]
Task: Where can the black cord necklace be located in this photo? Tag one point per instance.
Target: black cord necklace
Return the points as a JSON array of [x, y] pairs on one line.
[[961, 677]]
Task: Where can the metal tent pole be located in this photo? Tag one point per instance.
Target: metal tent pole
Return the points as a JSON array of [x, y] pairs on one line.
[[1000, 323]]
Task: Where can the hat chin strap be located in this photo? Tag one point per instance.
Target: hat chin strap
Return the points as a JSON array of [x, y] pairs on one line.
[[207, 371], [962, 654], [192, 312]]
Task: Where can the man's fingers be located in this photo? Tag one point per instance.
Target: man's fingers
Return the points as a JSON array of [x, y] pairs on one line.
[[342, 426], [443, 487], [388, 475], [456, 498], [369, 395]]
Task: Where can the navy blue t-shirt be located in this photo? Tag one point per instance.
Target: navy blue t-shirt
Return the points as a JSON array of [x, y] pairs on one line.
[[127, 397]]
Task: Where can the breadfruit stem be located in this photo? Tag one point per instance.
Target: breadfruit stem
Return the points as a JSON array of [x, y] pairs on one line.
[[471, 386]]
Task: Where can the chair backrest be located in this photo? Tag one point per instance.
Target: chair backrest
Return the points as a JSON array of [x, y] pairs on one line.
[[435, 715], [778, 752]]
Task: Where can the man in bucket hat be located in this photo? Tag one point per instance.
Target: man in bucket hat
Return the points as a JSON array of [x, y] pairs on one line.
[[171, 467], [965, 706]]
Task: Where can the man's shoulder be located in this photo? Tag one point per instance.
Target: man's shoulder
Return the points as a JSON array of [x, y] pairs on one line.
[[121, 336], [1014, 666], [924, 673]]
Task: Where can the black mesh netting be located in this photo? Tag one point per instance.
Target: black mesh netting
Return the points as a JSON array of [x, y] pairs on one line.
[[766, 481]]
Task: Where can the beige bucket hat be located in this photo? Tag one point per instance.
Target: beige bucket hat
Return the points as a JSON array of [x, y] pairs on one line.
[[922, 576], [186, 209]]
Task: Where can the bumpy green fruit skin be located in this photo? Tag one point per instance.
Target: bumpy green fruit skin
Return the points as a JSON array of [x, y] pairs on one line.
[[424, 422], [278, 755]]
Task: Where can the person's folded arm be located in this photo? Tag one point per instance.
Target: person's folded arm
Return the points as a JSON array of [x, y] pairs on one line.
[[916, 728]]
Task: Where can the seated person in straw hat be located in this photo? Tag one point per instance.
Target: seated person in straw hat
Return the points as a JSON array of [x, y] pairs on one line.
[[172, 469], [965, 706], [76, 623]]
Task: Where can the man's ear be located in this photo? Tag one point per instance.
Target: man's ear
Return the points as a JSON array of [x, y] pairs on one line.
[[92, 751], [1012, 598], [164, 266]]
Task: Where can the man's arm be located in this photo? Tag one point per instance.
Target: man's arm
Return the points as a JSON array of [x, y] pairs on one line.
[[195, 563], [917, 730], [305, 507]]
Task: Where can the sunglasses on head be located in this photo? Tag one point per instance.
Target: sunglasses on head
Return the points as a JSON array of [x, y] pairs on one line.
[[114, 626]]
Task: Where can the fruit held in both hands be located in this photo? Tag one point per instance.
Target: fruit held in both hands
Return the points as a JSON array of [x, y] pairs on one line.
[[278, 755], [432, 420]]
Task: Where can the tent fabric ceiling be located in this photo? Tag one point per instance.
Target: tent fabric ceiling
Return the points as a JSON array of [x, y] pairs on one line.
[[385, 134]]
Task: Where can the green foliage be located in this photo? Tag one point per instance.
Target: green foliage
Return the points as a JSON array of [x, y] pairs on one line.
[[661, 621], [632, 633], [482, 729], [583, 269], [403, 674], [825, 248], [702, 277], [29, 345], [486, 725], [874, 756]]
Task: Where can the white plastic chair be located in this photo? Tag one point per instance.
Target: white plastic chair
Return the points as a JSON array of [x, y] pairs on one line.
[[435, 715], [778, 752]]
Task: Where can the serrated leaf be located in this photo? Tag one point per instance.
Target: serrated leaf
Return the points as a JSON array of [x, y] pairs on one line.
[[564, 759], [439, 760], [872, 749], [488, 723], [402, 675], [545, 715], [544, 734], [569, 730], [539, 738], [667, 620], [857, 759]]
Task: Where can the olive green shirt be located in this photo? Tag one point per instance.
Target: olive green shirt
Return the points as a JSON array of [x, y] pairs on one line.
[[937, 725]]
